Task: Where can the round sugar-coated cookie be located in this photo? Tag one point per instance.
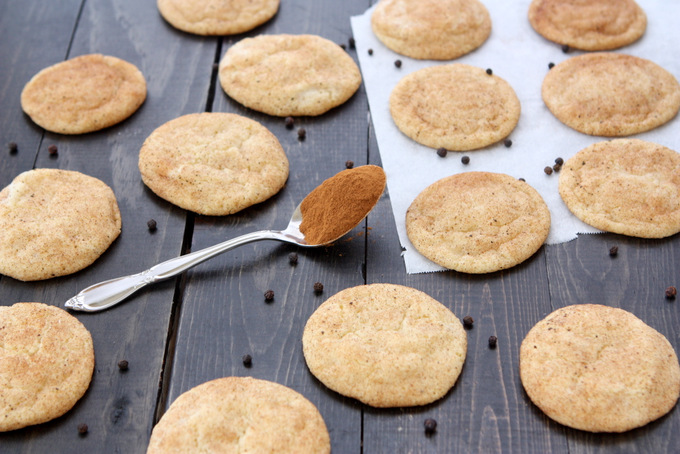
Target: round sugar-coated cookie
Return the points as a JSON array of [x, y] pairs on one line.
[[478, 109], [213, 163], [46, 363], [217, 17], [385, 345], [478, 222], [84, 94], [625, 186], [599, 369], [55, 222], [288, 75], [588, 24], [240, 414], [431, 29], [610, 94]]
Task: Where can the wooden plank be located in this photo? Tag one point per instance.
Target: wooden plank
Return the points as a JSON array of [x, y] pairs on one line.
[[223, 314], [119, 407], [35, 35], [583, 271]]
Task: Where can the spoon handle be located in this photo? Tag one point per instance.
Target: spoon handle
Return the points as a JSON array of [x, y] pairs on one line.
[[105, 294]]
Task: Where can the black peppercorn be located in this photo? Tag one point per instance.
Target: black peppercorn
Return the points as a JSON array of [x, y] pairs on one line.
[[12, 147], [613, 251], [293, 258], [397, 63], [465, 160], [151, 225], [489, 71], [269, 295], [247, 360], [441, 151], [370, 51], [430, 426], [565, 48], [53, 150], [349, 164], [352, 43], [493, 341], [468, 321], [318, 287], [82, 429], [671, 292], [290, 122], [557, 167], [302, 133], [559, 161], [551, 65], [507, 143], [548, 170], [123, 365]]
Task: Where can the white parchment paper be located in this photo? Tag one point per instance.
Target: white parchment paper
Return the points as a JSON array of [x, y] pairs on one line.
[[518, 54]]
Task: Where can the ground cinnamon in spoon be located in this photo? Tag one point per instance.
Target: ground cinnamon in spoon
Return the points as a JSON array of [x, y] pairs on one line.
[[337, 205]]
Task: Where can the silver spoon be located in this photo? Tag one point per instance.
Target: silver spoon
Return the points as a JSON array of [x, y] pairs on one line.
[[105, 294]]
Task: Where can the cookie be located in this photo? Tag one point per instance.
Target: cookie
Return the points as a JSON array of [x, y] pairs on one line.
[[288, 75], [385, 345], [431, 29], [84, 94], [479, 109], [240, 414], [588, 24], [599, 369], [625, 186], [612, 95], [478, 222], [55, 222], [217, 17], [46, 363], [213, 163]]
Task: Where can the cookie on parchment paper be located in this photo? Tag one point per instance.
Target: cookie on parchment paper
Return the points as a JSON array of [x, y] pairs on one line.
[[385, 345], [478, 109], [84, 94], [217, 17], [240, 414], [46, 364], [55, 222], [431, 29], [610, 94], [625, 186], [213, 163], [599, 369], [478, 222], [288, 75], [588, 24]]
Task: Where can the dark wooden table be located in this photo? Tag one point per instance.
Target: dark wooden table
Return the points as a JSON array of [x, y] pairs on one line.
[[184, 332]]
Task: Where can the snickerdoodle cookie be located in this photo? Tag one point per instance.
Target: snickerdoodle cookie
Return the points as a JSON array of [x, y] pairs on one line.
[[431, 29], [610, 94], [599, 369], [213, 163], [46, 363], [217, 17], [84, 94], [625, 186], [240, 414], [55, 222], [478, 222], [286, 75], [455, 106], [385, 345], [588, 24]]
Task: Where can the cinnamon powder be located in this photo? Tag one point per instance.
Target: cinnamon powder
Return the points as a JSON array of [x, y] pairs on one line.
[[337, 205]]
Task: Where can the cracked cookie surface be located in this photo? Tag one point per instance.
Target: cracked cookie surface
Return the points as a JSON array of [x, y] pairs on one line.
[[217, 17], [213, 163], [385, 345], [599, 369]]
